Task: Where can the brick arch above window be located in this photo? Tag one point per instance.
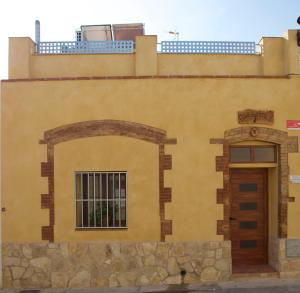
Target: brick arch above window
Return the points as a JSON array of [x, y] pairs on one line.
[[95, 128], [286, 144], [92, 128], [255, 133]]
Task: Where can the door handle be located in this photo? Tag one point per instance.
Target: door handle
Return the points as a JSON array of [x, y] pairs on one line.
[[232, 219]]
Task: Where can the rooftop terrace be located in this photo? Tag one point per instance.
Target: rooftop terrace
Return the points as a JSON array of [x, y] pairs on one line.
[[144, 56], [120, 38]]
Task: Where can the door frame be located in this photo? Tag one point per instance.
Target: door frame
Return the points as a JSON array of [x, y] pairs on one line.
[[266, 199], [286, 144]]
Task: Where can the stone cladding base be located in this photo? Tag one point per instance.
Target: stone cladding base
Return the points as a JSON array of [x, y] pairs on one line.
[[114, 264], [289, 266]]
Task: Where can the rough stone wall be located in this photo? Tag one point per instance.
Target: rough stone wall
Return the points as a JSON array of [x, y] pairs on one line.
[[289, 266], [273, 249], [114, 264]]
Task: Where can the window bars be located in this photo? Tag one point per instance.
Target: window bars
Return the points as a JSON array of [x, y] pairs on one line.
[[101, 199]]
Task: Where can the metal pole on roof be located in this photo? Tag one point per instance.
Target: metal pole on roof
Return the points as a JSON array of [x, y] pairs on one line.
[[37, 34]]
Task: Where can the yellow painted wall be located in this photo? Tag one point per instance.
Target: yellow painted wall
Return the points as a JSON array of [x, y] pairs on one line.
[[48, 66], [273, 56], [20, 55], [82, 65], [209, 64], [138, 158], [294, 190], [146, 55], [298, 54], [193, 110]]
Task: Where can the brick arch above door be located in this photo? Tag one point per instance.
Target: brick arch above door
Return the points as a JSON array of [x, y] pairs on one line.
[[93, 128], [286, 144]]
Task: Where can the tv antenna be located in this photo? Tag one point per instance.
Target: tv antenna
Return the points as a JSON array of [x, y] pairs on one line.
[[175, 34]]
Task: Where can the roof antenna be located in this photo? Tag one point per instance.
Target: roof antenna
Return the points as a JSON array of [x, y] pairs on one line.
[[175, 33]]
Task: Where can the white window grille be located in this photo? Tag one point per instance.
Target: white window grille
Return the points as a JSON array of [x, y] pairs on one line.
[[208, 47], [86, 47], [101, 199], [78, 36]]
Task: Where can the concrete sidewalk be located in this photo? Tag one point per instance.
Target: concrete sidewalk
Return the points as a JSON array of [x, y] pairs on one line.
[[265, 285]]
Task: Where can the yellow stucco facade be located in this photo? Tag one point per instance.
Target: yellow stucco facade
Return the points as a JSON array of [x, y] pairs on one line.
[[192, 97], [191, 114]]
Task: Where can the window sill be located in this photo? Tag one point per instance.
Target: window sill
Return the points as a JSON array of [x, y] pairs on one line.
[[100, 228]]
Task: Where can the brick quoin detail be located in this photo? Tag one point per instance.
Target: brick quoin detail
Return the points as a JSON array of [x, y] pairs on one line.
[[102, 128], [47, 200], [286, 144], [165, 163]]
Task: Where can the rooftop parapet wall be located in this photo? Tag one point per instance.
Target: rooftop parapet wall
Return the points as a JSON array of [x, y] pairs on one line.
[[209, 64], [279, 57], [21, 52]]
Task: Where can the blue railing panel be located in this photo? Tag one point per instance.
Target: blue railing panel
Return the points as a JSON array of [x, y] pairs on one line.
[[85, 47], [197, 47]]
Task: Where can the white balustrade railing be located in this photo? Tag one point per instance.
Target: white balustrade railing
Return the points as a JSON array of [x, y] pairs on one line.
[[85, 47], [202, 47]]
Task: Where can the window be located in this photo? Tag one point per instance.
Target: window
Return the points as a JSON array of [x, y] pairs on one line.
[[264, 154], [240, 154], [101, 199], [253, 154]]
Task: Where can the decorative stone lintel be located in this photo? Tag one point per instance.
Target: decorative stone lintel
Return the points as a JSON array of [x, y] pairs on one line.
[[250, 116]]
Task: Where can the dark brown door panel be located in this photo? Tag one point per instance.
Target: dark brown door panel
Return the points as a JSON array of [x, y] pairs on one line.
[[248, 216]]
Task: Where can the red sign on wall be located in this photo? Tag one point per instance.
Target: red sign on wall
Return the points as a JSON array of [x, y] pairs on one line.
[[293, 124]]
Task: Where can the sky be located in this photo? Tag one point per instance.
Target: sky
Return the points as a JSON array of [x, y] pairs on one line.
[[194, 20]]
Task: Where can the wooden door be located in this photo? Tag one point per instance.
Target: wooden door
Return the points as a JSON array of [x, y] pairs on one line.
[[248, 216]]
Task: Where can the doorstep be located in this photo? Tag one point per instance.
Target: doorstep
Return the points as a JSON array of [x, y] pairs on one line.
[[241, 272]]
